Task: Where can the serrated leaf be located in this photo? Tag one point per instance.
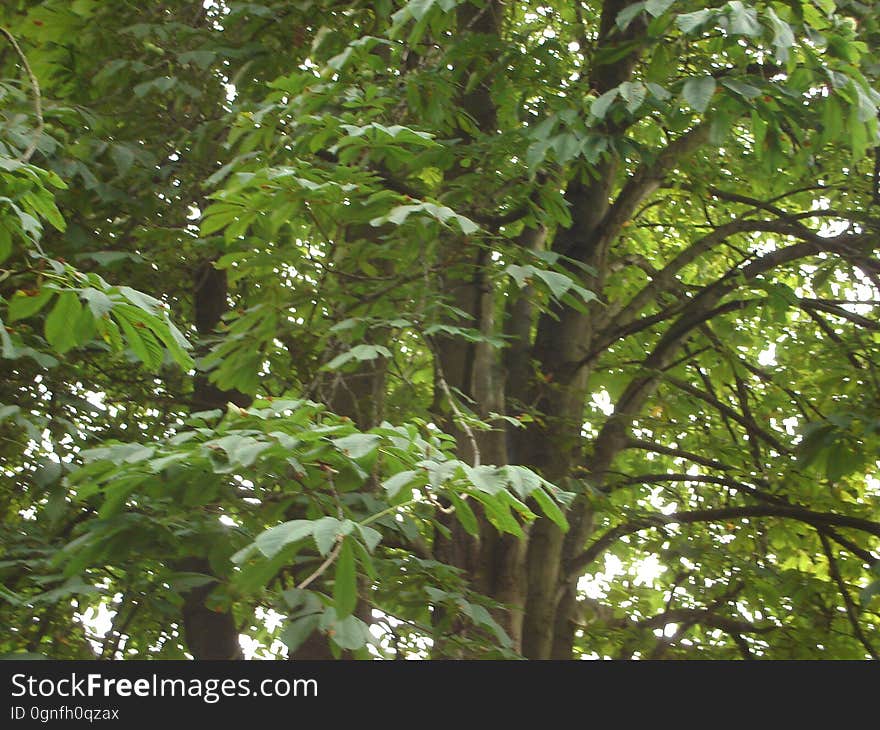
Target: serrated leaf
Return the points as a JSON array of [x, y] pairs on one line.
[[698, 92], [357, 445], [556, 282], [141, 341], [99, 303], [747, 91], [398, 481], [325, 532], [360, 353], [141, 300], [488, 479], [349, 633], [689, 22], [370, 536], [599, 108], [296, 632], [275, 538], [657, 7], [743, 20]]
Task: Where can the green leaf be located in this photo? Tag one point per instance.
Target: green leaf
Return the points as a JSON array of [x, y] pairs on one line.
[[99, 303], [370, 536], [398, 481], [141, 300], [550, 508], [357, 445], [556, 282], [658, 7], [599, 107], [464, 514], [698, 91], [175, 342], [743, 20], [5, 243], [488, 479], [633, 93], [296, 632], [868, 592], [141, 341], [23, 305], [349, 633], [59, 328], [747, 91], [327, 529], [359, 353], [275, 538], [783, 37], [345, 581], [626, 16], [689, 22], [498, 512]]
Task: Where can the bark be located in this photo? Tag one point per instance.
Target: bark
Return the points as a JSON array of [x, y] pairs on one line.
[[209, 633]]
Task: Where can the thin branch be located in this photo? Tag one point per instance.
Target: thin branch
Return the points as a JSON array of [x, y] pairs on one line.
[[816, 519], [459, 416], [851, 611], [669, 451], [319, 571], [837, 311], [38, 99]]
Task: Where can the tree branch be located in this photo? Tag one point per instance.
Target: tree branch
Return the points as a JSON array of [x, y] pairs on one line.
[[38, 99], [816, 519], [851, 610]]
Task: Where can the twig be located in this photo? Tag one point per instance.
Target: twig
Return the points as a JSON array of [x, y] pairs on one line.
[[38, 99], [319, 571], [459, 416], [334, 553], [851, 611]]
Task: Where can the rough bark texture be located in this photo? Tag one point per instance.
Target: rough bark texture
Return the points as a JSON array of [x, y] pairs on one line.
[[546, 368], [209, 634]]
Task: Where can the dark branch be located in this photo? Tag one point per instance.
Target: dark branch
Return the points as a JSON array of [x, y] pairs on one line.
[[816, 519]]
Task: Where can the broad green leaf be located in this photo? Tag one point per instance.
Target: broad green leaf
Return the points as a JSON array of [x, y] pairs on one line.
[[550, 508], [398, 481], [275, 538], [296, 632], [698, 92], [345, 581], [26, 304], [357, 445], [59, 325], [658, 7], [326, 531], [370, 536], [99, 303], [464, 514], [599, 107]]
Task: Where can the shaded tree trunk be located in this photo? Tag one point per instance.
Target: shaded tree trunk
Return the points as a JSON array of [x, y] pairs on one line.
[[209, 634]]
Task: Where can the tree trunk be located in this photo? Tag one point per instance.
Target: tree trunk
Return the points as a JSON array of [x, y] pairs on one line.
[[209, 634]]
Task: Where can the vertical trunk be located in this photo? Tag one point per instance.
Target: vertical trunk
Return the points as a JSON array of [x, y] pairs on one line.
[[210, 634]]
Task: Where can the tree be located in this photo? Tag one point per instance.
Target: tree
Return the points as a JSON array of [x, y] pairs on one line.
[[440, 328]]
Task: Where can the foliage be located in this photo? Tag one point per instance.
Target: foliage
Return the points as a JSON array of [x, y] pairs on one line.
[[440, 328]]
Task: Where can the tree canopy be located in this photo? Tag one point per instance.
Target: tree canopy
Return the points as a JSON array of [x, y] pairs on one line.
[[440, 328]]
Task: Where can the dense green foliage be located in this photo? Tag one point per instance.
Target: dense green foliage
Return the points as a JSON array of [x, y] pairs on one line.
[[451, 328]]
